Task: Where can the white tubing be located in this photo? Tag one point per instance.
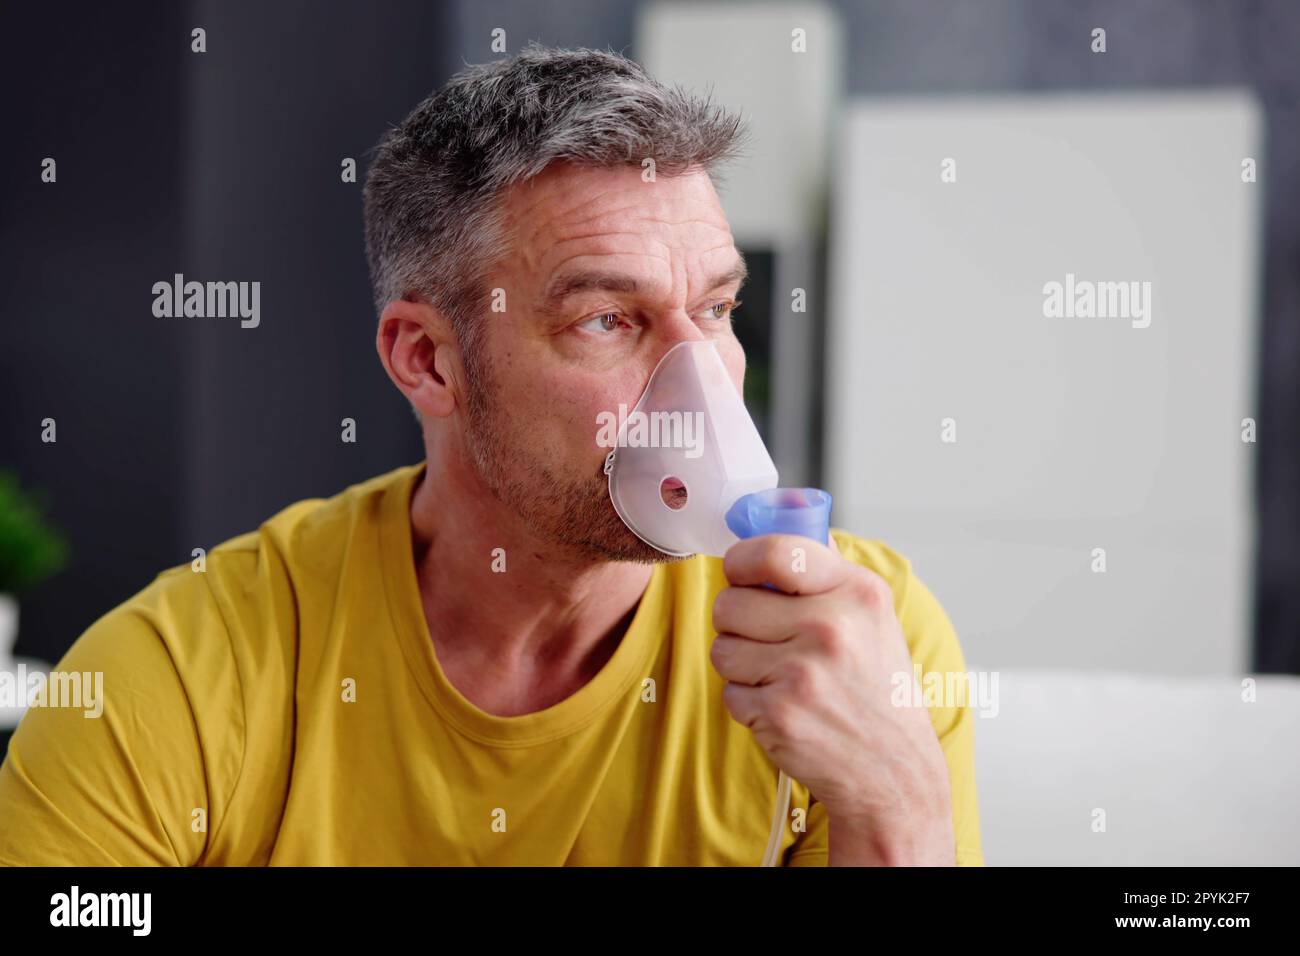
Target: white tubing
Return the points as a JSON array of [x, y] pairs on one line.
[[778, 820]]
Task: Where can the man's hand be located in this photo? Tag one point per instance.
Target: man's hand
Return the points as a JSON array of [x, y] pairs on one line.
[[809, 668]]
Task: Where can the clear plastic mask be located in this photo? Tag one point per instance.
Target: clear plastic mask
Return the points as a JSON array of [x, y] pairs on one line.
[[685, 454]]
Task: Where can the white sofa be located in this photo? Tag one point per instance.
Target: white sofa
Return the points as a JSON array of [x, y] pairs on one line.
[[1185, 770]]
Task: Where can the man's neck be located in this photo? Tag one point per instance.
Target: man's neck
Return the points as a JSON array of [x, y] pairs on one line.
[[521, 639]]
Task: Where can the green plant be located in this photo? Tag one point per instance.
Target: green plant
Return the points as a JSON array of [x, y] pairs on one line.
[[30, 551]]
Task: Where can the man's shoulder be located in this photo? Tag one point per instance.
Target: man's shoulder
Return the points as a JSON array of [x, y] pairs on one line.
[[247, 588], [312, 531], [307, 537], [197, 672]]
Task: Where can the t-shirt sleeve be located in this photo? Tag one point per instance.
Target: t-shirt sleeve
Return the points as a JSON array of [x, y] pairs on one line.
[[933, 644], [126, 780]]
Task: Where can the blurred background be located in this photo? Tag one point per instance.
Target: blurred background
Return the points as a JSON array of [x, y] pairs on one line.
[[1108, 512]]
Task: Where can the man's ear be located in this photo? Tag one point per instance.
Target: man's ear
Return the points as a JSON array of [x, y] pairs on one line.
[[418, 347]]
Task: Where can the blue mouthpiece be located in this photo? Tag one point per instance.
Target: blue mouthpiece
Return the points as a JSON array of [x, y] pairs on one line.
[[804, 511]]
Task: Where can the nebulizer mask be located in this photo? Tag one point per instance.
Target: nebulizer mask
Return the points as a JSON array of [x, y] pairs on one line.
[[690, 474]]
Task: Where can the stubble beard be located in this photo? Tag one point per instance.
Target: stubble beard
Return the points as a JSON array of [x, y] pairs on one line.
[[574, 514]]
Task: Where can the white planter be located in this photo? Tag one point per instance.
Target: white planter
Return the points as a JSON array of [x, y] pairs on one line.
[[8, 626], [10, 715]]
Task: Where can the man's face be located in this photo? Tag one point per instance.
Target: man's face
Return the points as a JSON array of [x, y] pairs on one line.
[[608, 272]]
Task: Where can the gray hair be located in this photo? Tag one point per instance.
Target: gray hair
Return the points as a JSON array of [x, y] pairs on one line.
[[434, 192]]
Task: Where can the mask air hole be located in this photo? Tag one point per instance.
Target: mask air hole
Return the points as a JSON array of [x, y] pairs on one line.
[[673, 492]]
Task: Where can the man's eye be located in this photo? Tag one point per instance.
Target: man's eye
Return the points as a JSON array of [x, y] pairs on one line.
[[605, 322], [722, 310]]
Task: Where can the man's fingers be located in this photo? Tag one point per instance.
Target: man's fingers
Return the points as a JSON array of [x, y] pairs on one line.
[[790, 562], [756, 613], [747, 661], [743, 703]]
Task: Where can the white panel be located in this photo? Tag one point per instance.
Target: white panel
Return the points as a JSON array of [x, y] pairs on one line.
[[1072, 433]]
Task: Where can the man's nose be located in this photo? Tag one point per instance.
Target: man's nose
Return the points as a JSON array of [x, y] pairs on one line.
[[679, 327], [665, 344]]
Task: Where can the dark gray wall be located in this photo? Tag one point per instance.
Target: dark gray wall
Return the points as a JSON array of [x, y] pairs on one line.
[[282, 96], [104, 96]]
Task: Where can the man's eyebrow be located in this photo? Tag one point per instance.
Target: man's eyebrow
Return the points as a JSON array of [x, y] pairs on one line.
[[737, 273], [566, 285]]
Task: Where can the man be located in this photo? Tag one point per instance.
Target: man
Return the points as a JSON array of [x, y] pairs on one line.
[[473, 660]]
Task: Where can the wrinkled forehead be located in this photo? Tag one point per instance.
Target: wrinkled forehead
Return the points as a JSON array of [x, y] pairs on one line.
[[569, 212]]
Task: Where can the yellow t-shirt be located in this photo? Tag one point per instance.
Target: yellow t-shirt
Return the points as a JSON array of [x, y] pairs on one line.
[[285, 707]]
